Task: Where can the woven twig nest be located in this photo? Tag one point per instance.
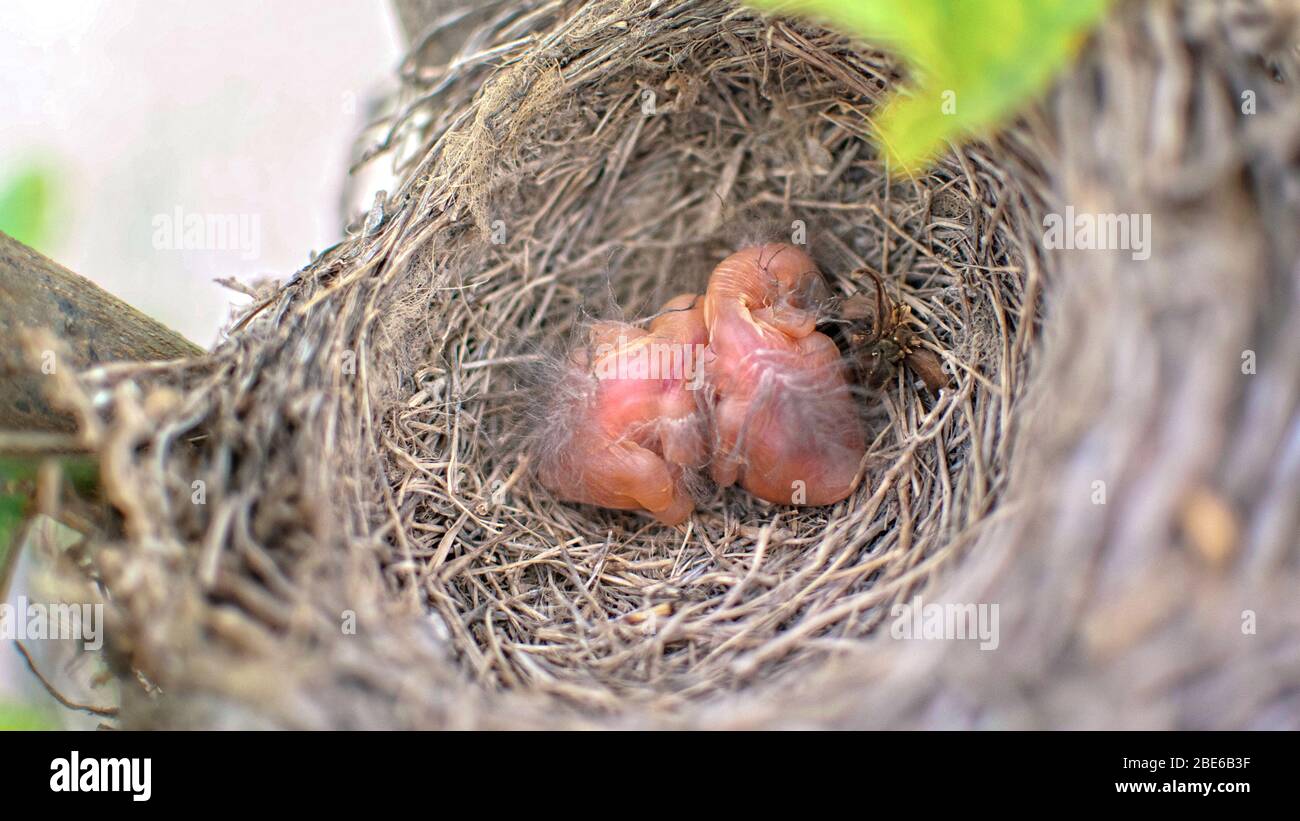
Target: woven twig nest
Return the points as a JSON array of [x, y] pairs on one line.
[[372, 550]]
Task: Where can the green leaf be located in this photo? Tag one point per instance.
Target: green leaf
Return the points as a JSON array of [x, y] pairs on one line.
[[26, 206], [24, 717], [975, 62]]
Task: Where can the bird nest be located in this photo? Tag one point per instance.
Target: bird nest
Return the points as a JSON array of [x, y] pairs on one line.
[[332, 519]]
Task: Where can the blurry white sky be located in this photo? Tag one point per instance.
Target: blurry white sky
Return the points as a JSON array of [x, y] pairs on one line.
[[240, 107], [141, 107]]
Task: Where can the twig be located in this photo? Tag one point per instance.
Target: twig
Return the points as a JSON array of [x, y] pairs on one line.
[[59, 697]]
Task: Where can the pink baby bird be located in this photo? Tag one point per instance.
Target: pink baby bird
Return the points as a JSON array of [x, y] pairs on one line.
[[786, 424], [632, 424]]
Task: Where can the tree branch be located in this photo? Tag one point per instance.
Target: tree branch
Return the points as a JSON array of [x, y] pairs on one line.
[[36, 292]]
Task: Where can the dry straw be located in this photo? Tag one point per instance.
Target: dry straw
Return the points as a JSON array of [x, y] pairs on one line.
[[372, 551]]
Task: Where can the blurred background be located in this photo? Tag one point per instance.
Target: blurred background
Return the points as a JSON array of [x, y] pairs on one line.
[[121, 118]]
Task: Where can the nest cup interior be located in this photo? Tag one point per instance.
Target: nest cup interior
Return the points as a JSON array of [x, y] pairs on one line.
[[607, 196]]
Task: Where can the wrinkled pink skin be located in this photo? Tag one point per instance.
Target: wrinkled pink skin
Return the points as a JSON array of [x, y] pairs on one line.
[[635, 431], [785, 414]]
